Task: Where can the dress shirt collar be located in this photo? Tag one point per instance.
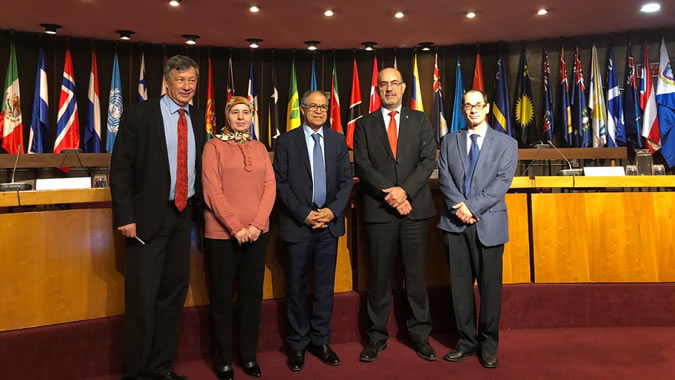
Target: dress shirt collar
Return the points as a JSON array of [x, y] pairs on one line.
[[172, 106]]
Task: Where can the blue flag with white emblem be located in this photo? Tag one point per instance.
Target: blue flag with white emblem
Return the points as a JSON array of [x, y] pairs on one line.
[[114, 106], [615, 126]]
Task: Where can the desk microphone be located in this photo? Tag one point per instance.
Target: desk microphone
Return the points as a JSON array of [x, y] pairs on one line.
[[15, 186], [570, 171]]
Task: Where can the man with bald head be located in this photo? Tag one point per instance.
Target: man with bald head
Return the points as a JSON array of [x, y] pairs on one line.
[[314, 180], [394, 154]]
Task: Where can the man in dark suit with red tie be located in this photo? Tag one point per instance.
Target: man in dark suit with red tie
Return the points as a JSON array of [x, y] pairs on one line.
[[394, 154], [314, 180], [155, 186]]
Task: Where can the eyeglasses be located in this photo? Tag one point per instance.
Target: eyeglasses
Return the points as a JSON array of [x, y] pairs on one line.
[[393, 84], [478, 106], [316, 107]]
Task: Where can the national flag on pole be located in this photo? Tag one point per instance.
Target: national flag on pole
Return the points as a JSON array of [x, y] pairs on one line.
[[374, 103], [312, 85], [395, 60], [253, 99], [142, 88], [163, 92], [549, 117], [115, 107], [10, 118], [501, 106], [39, 125], [665, 98], [478, 74], [92, 131], [416, 98], [210, 113], [230, 82], [582, 129], [524, 106], [631, 103], [650, 123], [273, 126], [440, 123], [67, 122], [614, 106], [597, 103], [565, 109], [293, 108], [335, 116], [354, 107], [458, 121]]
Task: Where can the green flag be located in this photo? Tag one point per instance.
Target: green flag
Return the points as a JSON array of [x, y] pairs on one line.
[[293, 109]]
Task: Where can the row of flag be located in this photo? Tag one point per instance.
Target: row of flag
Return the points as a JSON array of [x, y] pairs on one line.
[[67, 121], [643, 116]]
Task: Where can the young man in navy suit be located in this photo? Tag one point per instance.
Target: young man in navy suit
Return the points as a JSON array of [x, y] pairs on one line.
[[475, 169], [314, 180]]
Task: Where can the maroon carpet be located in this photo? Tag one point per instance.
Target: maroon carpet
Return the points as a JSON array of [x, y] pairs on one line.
[[597, 343], [573, 353]]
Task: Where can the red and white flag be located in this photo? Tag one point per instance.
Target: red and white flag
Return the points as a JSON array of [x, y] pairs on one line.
[[374, 103], [650, 123]]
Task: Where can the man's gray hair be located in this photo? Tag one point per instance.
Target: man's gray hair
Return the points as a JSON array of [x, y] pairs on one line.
[[180, 63], [309, 93]]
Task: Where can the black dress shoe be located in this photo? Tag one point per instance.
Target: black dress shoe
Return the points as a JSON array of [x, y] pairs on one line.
[[488, 360], [225, 372], [457, 355], [371, 351], [296, 360], [426, 352], [169, 376], [252, 369], [325, 354]]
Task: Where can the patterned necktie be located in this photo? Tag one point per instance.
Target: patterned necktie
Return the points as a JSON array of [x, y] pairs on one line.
[[391, 132], [181, 163], [319, 172], [473, 159]]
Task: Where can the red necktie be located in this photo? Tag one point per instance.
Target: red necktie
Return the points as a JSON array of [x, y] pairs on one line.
[[181, 163], [391, 132]]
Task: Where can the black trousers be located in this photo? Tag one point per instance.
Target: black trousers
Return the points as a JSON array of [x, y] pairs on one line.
[[384, 241], [157, 276], [470, 261], [317, 251], [225, 259]]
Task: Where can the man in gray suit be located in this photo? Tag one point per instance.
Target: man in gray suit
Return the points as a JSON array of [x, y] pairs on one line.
[[476, 168]]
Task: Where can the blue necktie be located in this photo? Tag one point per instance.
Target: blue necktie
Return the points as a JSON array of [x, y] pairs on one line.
[[319, 172], [473, 159]]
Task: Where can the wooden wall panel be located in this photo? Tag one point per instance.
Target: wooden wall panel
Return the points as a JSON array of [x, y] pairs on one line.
[[516, 253], [603, 237], [62, 266]]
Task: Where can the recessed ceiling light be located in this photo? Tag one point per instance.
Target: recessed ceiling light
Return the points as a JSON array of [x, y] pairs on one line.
[[328, 13], [254, 9], [399, 14], [174, 3], [542, 12], [650, 7], [50, 28], [190, 39], [470, 14], [254, 43], [426, 46], [369, 45], [312, 45], [124, 34]]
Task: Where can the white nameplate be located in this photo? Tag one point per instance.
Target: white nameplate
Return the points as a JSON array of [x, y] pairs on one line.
[[604, 171], [63, 183]]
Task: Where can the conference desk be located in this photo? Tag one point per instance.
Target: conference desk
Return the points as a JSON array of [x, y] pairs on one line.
[[61, 260]]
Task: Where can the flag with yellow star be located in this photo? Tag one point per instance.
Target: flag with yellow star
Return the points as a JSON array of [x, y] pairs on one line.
[[525, 122]]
